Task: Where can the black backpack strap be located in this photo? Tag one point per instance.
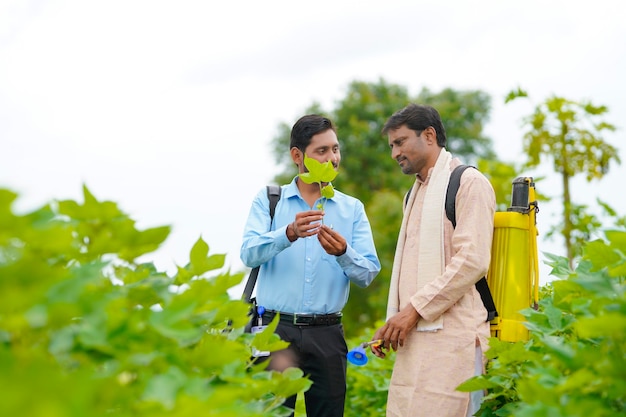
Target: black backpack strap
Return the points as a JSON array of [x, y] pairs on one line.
[[485, 294], [453, 187], [481, 285], [273, 193], [408, 193]]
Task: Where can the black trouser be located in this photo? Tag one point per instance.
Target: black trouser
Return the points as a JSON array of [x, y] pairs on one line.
[[320, 351]]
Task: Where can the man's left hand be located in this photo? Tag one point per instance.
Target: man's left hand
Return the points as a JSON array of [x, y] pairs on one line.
[[332, 242]]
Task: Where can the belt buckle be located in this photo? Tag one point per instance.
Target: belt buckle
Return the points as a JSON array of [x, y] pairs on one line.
[[299, 323]]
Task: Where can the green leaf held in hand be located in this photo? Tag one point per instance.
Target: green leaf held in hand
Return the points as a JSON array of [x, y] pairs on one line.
[[319, 173]]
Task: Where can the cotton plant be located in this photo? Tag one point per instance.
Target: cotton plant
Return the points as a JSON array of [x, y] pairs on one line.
[[319, 173]]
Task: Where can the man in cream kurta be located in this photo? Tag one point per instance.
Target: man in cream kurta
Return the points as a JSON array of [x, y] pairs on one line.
[[435, 317]]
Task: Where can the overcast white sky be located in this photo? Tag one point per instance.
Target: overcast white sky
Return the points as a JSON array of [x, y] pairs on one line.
[[169, 107]]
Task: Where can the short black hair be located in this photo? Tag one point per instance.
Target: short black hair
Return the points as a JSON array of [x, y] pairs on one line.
[[306, 127], [417, 117]]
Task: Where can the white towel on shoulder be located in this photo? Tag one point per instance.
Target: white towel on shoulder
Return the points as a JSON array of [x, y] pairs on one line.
[[431, 241]]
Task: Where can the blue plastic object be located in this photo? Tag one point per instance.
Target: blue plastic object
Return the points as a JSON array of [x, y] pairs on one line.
[[260, 310], [357, 356]]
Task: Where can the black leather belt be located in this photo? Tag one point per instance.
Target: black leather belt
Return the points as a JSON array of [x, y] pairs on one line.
[[305, 319]]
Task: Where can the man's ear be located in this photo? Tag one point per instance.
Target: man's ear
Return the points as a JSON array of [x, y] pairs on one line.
[[297, 156], [431, 135]]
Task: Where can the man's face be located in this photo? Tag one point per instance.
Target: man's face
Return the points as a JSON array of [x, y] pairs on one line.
[[324, 147], [409, 149]]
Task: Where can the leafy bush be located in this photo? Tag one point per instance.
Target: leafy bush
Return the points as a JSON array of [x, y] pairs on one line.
[[574, 363], [85, 330]]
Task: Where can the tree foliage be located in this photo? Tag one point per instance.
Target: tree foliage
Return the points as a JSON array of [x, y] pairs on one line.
[[570, 135]]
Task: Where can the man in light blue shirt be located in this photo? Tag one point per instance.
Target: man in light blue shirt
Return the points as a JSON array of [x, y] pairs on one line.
[[307, 258]]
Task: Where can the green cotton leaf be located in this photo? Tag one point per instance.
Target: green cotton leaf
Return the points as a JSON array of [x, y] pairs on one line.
[[617, 238], [555, 317], [328, 191], [92, 334], [293, 381], [619, 270], [535, 321], [7, 198], [199, 252], [476, 383], [37, 316], [200, 261], [62, 341], [319, 172], [83, 277], [174, 322], [219, 284], [141, 242], [7, 218], [307, 178], [183, 276], [565, 292], [598, 283], [618, 246], [214, 262], [164, 388], [150, 291], [560, 265], [92, 209], [216, 351], [580, 379], [600, 254], [153, 236], [610, 325], [267, 340], [88, 196], [559, 348]]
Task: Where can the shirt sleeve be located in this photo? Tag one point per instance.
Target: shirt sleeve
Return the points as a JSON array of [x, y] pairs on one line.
[[260, 243], [360, 263]]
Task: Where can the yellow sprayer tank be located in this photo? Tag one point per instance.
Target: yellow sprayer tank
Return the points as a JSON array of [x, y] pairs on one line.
[[513, 275]]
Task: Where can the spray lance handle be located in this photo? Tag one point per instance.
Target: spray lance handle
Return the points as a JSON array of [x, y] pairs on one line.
[[260, 311], [358, 355]]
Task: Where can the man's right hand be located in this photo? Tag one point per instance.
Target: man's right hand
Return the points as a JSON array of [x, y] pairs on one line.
[[396, 330], [306, 223]]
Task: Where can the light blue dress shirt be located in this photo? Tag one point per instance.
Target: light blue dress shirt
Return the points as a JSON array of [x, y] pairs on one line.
[[299, 276]]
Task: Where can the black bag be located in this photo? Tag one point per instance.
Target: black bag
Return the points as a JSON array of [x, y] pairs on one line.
[[273, 193]]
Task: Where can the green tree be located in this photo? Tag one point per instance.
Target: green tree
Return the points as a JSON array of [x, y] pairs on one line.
[[368, 172], [569, 133], [464, 114]]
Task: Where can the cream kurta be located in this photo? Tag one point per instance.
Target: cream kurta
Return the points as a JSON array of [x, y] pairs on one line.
[[431, 365]]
